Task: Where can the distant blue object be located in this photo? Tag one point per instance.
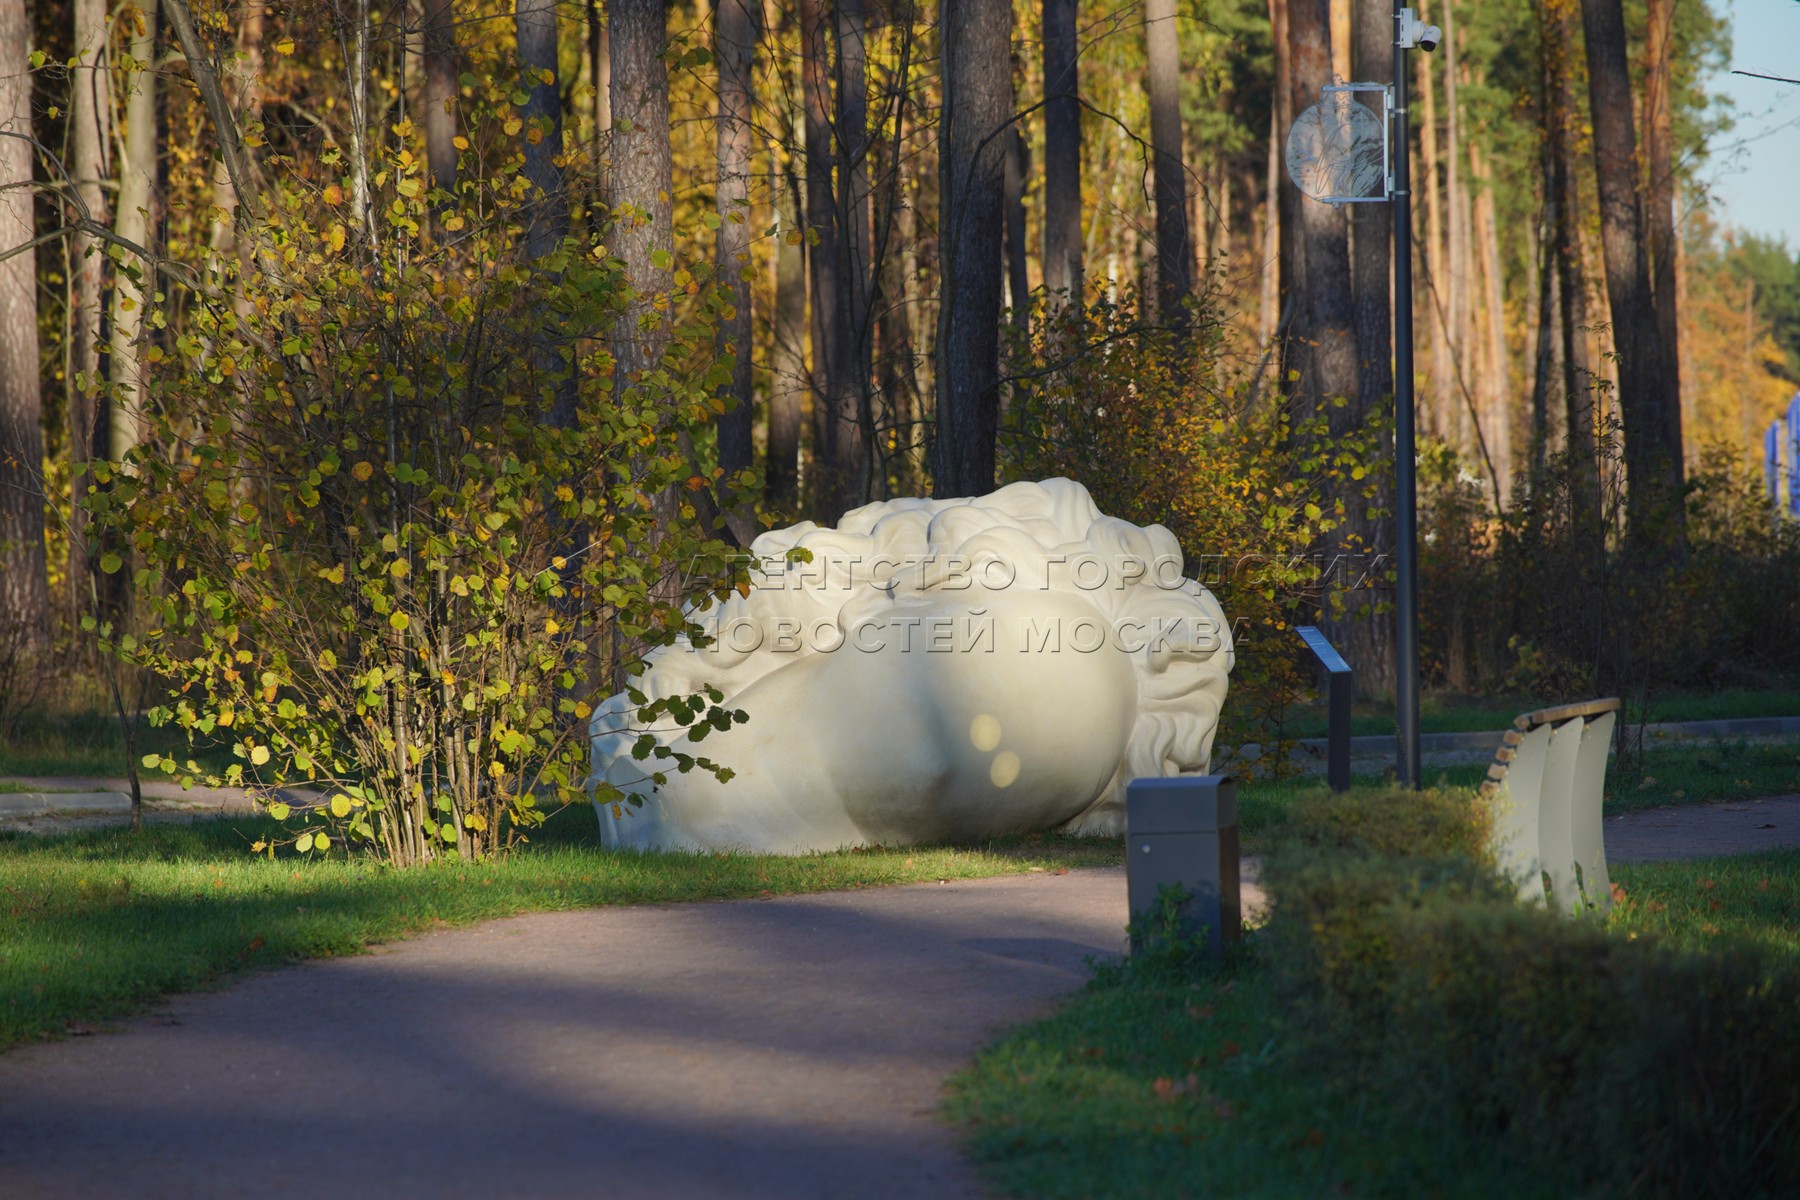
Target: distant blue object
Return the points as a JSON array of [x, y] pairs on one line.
[[1772, 462], [1793, 455]]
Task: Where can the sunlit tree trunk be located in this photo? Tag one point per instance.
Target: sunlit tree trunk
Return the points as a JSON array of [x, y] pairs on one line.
[[1649, 403], [1063, 268], [1493, 381], [24, 584], [133, 223], [977, 104], [1174, 243], [90, 120]]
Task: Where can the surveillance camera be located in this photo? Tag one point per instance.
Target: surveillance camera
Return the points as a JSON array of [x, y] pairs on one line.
[[1429, 37]]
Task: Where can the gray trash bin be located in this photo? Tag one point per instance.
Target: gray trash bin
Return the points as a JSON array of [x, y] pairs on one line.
[[1183, 831]]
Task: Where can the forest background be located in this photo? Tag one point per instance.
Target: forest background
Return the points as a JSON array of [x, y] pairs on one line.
[[878, 248]]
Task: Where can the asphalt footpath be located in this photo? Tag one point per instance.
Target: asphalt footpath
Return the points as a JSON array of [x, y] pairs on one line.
[[788, 1047]]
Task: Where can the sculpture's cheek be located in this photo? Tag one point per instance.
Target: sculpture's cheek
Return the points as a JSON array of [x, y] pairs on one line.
[[906, 743], [1015, 739]]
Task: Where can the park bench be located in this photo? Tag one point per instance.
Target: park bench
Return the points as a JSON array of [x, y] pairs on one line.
[[1547, 784]]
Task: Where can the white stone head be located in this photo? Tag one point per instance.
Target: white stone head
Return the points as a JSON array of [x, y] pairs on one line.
[[940, 670]]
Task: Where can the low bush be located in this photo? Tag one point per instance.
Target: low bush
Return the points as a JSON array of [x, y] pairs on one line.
[[1619, 1064]]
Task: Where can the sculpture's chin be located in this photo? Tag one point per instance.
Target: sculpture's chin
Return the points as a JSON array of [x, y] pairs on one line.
[[904, 743]]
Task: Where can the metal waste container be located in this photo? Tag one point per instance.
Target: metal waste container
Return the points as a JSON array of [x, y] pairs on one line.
[[1182, 831]]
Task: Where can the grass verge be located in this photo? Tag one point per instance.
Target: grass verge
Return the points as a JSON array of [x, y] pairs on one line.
[[97, 924], [1399, 1047], [1696, 773]]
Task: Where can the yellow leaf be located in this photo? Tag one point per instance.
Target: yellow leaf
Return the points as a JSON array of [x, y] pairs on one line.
[[361, 471], [285, 46], [399, 621], [327, 661], [334, 195], [460, 142], [551, 627], [259, 755], [340, 806], [335, 238], [399, 568]]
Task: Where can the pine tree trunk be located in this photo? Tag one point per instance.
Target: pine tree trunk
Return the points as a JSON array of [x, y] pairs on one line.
[[1493, 389], [787, 360], [1371, 224], [1174, 244], [1365, 635], [852, 468], [1321, 343], [1018, 273], [24, 583], [833, 406], [1578, 391], [440, 92], [735, 33], [1664, 243], [976, 36], [1649, 403], [548, 215], [642, 183], [1441, 416], [1063, 266]]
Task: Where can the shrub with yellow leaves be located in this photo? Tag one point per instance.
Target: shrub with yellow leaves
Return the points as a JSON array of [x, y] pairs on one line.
[[364, 545]]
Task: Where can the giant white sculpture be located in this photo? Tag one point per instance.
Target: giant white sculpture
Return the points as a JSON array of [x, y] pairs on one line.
[[940, 670]]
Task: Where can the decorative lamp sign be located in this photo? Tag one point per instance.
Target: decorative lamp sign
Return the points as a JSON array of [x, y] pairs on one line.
[[1337, 150]]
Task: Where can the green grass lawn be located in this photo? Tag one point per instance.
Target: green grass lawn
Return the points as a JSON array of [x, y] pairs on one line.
[[93, 925], [1184, 1083], [1479, 714]]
